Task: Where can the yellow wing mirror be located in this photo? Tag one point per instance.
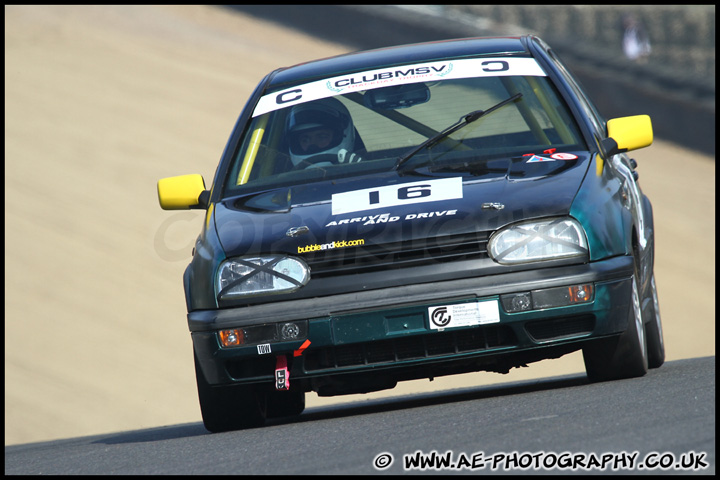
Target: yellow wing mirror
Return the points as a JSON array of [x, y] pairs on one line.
[[183, 192], [627, 133]]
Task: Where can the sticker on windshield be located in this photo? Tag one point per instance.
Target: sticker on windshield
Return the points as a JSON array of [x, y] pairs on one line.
[[402, 74], [394, 195], [538, 158], [564, 156]]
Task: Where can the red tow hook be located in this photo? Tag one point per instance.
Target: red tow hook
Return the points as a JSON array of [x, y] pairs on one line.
[[282, 374]]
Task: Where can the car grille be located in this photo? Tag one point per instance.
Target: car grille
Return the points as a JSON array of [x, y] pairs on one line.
[[410, 348], [371, 257]]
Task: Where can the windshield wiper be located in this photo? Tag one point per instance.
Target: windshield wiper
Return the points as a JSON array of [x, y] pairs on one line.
[[464, 120]]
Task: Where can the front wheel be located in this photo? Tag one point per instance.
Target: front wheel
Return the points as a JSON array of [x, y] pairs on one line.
[[653, 330], [231, 407], [625, 356]]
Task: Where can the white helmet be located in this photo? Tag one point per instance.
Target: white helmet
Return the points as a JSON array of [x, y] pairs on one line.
[[324, 113]]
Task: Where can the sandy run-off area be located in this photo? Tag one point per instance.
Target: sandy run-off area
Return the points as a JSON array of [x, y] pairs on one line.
[[101, 102]]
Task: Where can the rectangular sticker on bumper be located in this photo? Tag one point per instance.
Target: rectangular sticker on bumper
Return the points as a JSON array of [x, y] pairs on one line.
[[463, 315]]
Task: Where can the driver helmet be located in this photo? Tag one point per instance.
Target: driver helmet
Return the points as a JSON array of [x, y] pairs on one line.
[[327, 113]]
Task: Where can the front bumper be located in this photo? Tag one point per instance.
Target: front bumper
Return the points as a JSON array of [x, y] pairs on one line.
[[387, 332]]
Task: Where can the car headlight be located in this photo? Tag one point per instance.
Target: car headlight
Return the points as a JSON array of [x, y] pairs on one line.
[[264, 275], [538, 241]]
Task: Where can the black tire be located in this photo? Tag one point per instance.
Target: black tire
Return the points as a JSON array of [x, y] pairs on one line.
[[653, 330], [232, 407], [285, 403], [624, 356]]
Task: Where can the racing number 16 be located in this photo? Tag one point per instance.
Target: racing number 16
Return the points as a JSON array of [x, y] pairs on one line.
[[393, 195], [403, 193]]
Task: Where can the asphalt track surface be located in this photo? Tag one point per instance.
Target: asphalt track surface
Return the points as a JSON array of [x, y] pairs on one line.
[[667, 416], [101, 102]]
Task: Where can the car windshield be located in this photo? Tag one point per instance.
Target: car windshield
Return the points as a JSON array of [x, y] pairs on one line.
[[364, 123]]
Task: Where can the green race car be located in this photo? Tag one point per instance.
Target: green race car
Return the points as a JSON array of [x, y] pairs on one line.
[[412, 212]]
